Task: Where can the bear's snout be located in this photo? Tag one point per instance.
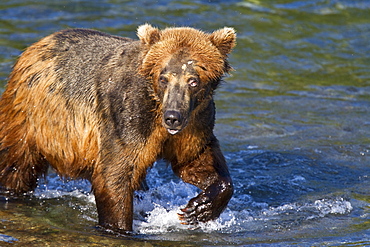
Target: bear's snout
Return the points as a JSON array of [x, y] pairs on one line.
[[173, 121]]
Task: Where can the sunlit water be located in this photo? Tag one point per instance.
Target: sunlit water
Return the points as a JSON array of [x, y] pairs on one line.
[[293, 120]]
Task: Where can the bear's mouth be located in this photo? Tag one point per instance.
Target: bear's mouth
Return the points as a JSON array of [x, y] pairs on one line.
[[173, 131]]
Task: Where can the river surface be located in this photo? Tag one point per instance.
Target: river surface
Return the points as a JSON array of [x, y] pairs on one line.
[[293, 120]]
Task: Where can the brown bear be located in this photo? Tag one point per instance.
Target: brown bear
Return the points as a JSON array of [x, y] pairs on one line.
[[105, 108]]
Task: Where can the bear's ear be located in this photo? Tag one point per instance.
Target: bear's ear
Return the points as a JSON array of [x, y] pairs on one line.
[[224, 39], [148, 34]]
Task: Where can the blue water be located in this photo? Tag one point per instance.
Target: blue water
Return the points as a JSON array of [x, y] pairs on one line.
[[293, 120]]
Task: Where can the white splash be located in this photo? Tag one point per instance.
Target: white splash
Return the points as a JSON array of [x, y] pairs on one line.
[[155, 210]]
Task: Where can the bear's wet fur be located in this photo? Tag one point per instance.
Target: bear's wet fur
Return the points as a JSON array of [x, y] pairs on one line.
[[105, 108]]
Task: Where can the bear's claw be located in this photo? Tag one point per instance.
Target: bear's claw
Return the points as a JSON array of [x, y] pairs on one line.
[[199, 209], [208, 205]]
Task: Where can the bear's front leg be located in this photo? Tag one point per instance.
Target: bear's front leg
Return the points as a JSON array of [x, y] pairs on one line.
[[114, 201], [209, 173]]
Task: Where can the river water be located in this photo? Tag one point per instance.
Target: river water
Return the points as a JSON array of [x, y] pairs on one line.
[[293, 120]]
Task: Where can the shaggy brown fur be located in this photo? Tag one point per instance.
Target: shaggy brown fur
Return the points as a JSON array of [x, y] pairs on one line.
[[105, 108]]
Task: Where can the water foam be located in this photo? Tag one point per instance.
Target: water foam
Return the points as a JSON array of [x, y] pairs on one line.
[[156, 209]]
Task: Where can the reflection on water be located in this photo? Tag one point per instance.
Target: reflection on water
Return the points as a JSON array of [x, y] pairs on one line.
[[293, 120]]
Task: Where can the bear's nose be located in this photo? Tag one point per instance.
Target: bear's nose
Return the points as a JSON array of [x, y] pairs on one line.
[[172, 119]]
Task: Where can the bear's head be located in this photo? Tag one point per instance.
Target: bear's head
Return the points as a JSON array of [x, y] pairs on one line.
[[185, 66]]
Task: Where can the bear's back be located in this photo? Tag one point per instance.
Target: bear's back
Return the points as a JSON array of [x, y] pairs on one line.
[[83, 58]]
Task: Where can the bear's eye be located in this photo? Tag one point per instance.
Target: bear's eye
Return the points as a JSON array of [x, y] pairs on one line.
[[163, 80], [193, 82]]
